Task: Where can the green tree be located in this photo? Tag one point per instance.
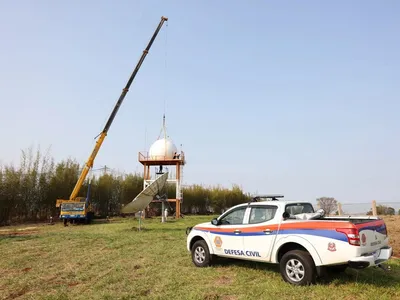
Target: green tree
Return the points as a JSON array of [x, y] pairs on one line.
[[385, 210], [10, 197]]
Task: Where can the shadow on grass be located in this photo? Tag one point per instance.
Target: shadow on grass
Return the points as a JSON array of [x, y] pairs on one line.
[[226, 262], [372, 276]]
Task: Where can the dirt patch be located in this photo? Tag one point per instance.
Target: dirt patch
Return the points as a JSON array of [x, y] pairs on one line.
[[50, 279], [18, 233], [73, 284], [26, 269], [223, 280], [215, 296], [229, 297], [137, 267], [211, 296], [105, 249], [26, 228], [17, 294], [145, 293], [169, 239], [61, 282], [18, 229]]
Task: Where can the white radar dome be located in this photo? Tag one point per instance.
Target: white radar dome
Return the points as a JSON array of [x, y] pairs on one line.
[[162, 149]]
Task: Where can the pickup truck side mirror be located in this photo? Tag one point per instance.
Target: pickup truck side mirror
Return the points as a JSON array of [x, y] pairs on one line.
[[214, 221], [286, 215]]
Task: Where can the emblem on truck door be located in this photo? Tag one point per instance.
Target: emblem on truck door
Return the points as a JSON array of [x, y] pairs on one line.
[[218, 242], [363, 239], [331, 247]]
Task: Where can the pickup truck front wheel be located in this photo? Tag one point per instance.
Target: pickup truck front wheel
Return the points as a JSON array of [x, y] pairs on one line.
[[297, 267], [200, 254]]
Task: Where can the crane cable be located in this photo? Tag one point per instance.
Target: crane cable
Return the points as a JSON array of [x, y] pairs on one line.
[[164, 96], [165, 66]]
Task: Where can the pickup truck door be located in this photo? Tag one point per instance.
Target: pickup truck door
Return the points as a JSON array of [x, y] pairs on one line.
[[260, 232], [226, 238]]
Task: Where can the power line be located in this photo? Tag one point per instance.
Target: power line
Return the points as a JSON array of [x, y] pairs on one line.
[[369, 203]]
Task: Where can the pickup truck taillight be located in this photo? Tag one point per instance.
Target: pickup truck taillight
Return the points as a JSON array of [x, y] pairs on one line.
[[352, 235], [385, 231]]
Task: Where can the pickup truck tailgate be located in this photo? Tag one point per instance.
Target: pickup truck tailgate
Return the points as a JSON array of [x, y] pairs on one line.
[[373, 236]]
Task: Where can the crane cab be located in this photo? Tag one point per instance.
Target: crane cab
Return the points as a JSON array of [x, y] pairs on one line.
[[76, 211]]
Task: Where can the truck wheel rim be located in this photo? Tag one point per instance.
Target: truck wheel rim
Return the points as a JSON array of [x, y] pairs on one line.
[[199, 255], [295, 270]]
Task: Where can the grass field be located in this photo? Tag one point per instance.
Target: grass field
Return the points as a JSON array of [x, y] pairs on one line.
[[115, 261]]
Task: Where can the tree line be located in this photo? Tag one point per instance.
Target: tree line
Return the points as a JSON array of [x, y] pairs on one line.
[[383, 210], [28, 192]]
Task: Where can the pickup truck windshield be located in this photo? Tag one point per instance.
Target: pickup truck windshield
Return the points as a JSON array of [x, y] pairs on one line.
[[299, 208]]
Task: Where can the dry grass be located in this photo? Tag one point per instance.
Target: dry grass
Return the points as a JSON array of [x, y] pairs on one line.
[[393, 225], [113, 261]]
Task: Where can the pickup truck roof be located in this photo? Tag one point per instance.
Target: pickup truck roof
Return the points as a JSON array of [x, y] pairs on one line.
[[274, 202], [357, 219]]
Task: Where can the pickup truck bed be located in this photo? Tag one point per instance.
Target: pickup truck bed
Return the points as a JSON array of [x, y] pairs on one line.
[[353, 220]]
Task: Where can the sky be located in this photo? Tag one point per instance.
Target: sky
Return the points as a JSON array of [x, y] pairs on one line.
[[299, 98]]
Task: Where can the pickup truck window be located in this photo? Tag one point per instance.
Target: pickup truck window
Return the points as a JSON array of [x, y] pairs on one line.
[[262, 214], [234, 218], [299, 208]]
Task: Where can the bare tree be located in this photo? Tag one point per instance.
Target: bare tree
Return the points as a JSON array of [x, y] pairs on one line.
[[328, 204]]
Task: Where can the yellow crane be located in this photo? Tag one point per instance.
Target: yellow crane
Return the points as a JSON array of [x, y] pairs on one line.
[[79, 208]]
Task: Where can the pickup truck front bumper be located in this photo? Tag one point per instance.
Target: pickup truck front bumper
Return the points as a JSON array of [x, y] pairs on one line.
[[372, 259]]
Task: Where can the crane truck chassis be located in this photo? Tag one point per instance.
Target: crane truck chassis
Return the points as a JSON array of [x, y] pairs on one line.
[[79, 209]]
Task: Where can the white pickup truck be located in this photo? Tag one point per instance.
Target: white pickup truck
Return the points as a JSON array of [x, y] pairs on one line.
[[303, 242]]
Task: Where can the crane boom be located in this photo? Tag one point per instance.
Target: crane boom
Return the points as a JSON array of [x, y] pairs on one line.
[[103, 134]]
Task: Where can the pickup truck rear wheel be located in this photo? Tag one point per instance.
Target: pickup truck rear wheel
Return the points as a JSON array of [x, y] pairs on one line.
[[200, 254], [297, 267]]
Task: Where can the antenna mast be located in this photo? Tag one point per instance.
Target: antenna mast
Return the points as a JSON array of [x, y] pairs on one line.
[[165, 137]]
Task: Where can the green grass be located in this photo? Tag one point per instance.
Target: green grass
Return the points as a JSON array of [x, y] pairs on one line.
[[114, 261]]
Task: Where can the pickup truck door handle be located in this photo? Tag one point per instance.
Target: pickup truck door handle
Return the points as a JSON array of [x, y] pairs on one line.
[[237, 231], [267, 231]]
